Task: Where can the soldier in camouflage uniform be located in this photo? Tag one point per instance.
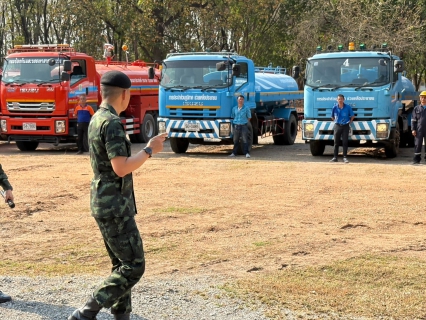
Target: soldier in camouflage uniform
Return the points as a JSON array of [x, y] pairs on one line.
[[4, 183], [112, 200]]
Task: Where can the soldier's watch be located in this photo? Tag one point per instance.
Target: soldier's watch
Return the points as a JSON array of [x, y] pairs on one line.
[[148, 151]]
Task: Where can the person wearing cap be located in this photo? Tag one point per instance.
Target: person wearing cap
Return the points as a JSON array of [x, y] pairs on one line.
[[112, 200], [418, 127], [7, 187], [241, 116]]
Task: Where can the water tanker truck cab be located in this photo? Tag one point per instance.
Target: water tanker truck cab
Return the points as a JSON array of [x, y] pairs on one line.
[[373, 85], [199, 90], [41, 85]]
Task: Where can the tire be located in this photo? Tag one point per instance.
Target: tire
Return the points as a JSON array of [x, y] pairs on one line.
[[317, 147], [290, 132], [392, 149], [249, 138], [179, 145], [147, 130], [27, 145], [254, 124]]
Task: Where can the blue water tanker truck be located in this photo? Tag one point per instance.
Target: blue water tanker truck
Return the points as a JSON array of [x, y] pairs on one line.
[[373, 85], [199, 89]]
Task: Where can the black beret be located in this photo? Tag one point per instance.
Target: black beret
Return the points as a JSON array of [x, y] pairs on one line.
[[116, 79]]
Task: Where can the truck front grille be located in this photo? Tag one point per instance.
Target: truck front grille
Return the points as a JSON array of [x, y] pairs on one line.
[[25, 107]]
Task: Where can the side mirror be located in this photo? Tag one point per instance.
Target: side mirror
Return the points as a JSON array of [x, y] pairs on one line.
[[67, 65], [151, 73], [65, 76], [221, 66], [236, 70], [382, 62], [398, 66], [295, 72]]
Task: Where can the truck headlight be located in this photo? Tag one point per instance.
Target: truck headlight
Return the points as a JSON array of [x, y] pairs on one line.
[[3, 125], [308, 130], [161, 127], [225, 129], [60, 126], [382, 130]]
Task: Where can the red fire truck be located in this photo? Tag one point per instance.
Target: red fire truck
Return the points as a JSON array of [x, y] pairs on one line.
[[40, 87]]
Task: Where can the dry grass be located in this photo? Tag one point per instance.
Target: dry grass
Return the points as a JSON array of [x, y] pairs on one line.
[[307, 235], [372, 286]]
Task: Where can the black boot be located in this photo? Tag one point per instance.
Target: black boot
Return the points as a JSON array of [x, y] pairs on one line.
[[4, 297], [123, 316], [87, 312], [416, 159]]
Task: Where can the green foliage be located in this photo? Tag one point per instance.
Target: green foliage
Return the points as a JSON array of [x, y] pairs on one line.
[[281, 32]]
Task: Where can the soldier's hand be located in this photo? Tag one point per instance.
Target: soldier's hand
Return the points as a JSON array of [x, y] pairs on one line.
[[8, 196], [414, 132], [156, 143]]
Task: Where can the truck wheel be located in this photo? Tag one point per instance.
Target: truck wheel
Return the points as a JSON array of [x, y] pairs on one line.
[[179, 145], [392, 149], [317, 147], [27, 145], [249, 138], [254, 124], [147, 130], [290, 132]]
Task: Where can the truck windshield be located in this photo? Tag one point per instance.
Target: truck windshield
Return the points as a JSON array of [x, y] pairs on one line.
[[24, 70], [350, 72], [193, 74]]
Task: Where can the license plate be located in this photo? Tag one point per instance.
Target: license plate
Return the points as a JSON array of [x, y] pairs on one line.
[[30, 126], [191, 126]]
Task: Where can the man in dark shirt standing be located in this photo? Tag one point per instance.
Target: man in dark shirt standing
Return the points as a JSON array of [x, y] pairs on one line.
[[112, 199], [342, 115], [418, 127]]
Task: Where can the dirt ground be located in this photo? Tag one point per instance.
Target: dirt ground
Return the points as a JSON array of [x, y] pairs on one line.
[[203, 212]]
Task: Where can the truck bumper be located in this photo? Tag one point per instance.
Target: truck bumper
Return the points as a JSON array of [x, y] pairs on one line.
[[34, 126], [375, 130], [197, 129]]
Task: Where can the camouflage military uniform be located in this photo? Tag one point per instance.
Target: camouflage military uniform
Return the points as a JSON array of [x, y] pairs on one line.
[[4, 183], [112, 203]]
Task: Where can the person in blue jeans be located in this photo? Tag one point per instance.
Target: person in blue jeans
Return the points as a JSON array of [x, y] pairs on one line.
[[342, 115], [241, 115]]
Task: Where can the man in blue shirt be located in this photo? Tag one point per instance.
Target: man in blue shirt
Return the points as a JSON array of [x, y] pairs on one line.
[[241, 116], [418, 127], [83, 113], [342, 115]]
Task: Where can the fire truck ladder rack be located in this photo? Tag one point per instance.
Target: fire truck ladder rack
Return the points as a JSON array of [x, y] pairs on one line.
[[41, 48]]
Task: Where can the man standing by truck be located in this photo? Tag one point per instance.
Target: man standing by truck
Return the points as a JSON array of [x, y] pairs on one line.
[[342, 115], [418, 126], [4, 183], [241, 116], [83, 113]]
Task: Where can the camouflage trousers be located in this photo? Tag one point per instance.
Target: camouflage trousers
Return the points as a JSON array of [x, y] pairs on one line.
[[124, 246]]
